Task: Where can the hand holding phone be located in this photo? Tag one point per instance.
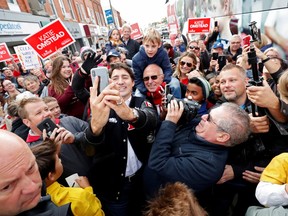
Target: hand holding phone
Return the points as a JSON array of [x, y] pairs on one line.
[[48, 125], [102, 73]]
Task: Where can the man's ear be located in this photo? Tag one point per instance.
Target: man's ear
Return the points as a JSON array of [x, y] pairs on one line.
[[26, 122], [51, 177], [222, 137]]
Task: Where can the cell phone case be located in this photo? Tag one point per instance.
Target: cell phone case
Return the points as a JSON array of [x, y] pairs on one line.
[[47, 124]]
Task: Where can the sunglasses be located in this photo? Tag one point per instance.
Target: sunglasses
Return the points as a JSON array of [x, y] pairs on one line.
[[194, 47], [154, 77], [182, 63]]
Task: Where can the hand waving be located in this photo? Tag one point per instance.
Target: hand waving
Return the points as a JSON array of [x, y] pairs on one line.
[[91, 62]]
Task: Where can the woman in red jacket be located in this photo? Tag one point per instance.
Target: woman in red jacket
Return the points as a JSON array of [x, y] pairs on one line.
[[60, 88]]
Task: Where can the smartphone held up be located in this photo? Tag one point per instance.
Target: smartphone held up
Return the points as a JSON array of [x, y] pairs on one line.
[[102, 73]]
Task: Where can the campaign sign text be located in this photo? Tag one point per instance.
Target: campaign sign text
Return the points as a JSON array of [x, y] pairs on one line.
[[4, 52], [135, 31], [49, 39], [198, 25]]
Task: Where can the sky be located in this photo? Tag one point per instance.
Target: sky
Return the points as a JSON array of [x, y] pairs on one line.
[[141, 11]]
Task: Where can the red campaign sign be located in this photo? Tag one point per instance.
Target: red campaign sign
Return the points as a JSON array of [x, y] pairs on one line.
[[198, 25], [135, 31], [4, 52], [15, 58], [50, 39]]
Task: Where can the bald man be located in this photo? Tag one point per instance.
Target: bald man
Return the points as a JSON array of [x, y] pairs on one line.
[[20, 181]]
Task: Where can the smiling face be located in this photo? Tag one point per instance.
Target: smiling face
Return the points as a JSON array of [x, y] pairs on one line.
[[8, 86], [66, 70], [186, 65], [37, 112], [32, 86], [153, 77], [215, 85], [20, 181], [124, 82], [233, 85]]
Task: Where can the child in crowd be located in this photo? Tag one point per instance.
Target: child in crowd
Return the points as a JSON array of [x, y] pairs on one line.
[[152, 52], [114, 40], [54, 107], [83, 200], [198, 89]]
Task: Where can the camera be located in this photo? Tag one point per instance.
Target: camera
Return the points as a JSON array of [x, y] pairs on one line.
[[190, 108]]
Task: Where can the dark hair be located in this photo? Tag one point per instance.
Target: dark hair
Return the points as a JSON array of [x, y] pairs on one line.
[[120, 65], [45, 157]]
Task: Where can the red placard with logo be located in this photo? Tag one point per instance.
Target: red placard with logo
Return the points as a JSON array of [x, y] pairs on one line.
[[4, 52], [50, 39], [198, 25], [135, 31]]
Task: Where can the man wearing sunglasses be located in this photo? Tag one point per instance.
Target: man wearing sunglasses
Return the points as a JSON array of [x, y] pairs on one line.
[[199, 49], [153, 78], [195, 154]]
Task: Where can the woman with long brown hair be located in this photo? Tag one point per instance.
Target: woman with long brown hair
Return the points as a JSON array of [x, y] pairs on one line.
[[60, 88]]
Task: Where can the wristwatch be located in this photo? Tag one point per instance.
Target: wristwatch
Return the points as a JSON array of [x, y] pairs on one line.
[[135, 115]]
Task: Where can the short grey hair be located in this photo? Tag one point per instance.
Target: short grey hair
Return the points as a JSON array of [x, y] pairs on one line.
[[236, 123]]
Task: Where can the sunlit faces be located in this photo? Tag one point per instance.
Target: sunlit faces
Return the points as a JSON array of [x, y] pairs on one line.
[[20, 181], [66, 70], [233, 85], [151, 48], [124, 82], [194, 92], [37, 112], [54, 108], [186, 64], [32, 86], [153, 76]]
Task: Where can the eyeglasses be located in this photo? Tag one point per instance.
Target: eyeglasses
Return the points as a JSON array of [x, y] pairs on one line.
[[154, 77], [182, 63], [209, 119], [194, 47]]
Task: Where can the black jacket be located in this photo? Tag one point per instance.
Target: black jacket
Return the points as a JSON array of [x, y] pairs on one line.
[[132, 46], [108, 172]]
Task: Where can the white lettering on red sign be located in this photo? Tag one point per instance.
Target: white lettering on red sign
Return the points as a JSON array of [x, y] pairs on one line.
[[48, 38]]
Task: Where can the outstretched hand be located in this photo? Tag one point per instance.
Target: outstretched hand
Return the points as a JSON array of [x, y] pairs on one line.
[[91, 61]]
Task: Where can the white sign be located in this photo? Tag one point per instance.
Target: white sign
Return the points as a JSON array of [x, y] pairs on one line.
[[27, 57], [17, 28]]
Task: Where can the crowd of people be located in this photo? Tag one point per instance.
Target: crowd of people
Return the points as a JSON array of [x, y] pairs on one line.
[[180, 129]]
